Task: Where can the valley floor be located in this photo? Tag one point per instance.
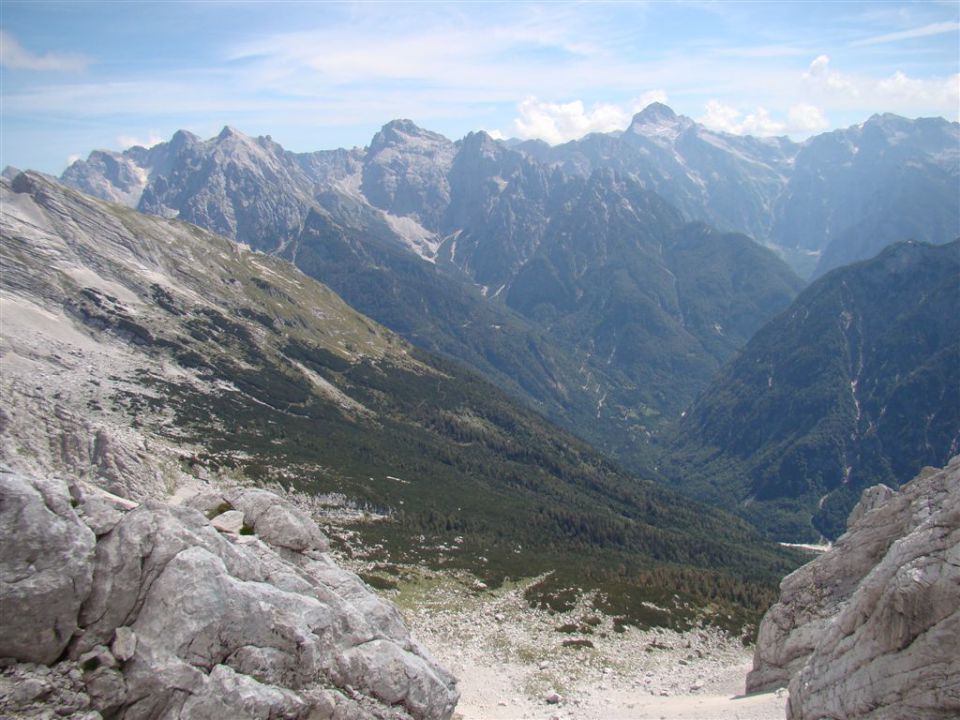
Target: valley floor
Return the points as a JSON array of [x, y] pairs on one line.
[[512, 663], [516, 662]]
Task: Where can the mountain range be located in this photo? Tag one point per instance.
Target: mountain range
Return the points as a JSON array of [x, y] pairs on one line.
[[139, 351], [509, 287], [603, 282]]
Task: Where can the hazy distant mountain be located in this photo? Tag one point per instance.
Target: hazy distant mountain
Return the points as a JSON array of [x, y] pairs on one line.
[[845, 194], [855, 191], [481, 252], [726, 180], [161, 344], [857, 383]]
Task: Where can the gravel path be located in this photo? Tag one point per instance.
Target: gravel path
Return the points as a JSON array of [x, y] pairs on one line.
[[512, 662]]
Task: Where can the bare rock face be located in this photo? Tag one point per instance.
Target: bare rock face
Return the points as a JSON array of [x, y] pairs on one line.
[[277, 523], [46, 566], [167, 617], [870, 629]]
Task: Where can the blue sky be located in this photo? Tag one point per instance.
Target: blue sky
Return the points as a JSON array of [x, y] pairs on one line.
[[315, 75]]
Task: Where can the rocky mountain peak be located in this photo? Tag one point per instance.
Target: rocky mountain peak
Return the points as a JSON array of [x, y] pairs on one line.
[[229, 132], [405, 172], [655, 115], [480, 142], [655, 112], [659, 122], [403, 132], [182, 138]]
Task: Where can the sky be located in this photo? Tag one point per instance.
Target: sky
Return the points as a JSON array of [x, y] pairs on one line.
[[77, 76]]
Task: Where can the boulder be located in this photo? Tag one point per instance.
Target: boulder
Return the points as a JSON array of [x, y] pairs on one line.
[[869, 629], [164, 616], [277, 523], [124, 644], [46, 567], [812, 596], [229, 522], [891, 652]]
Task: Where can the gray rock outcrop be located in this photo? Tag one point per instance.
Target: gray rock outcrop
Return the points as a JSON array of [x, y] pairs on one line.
[[46, 568], [164, 616], [869, 629]]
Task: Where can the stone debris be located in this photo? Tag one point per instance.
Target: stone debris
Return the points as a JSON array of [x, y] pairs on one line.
[[229, 522], [164, 616], [512, 659]]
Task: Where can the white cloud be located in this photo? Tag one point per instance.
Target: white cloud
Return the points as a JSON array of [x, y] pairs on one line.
[[820, 74], [15, 57], [71, 159], [806, 118], [939, 91], [128, 141], [495, 134], [926, 31], [726, 118], [897, 93], [720, 117], [560, 122], [802, 119]]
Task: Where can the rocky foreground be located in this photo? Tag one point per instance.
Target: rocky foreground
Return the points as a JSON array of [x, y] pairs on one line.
[[514, 661], [231, 608], [231, 605], [870, 628]]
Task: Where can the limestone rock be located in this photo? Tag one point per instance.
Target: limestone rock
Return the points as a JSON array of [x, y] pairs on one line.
[[869, 629], [99, 515], [891, 652], [31, 691], [46, 566], [210, 503], [124, 644], [811, 597], [229, 522], [277, 523], [180, 622]]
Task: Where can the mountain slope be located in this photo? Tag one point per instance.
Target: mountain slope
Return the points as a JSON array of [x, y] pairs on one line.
[[855, 384], [165, 350], [659, 303], [833, 199]]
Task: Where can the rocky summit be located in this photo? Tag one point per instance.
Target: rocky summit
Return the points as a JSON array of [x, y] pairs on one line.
[[869, 629]]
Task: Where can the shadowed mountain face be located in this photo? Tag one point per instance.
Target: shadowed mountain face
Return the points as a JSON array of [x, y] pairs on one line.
[[568, 289], [833, 199], [166, 349], [856, 383]]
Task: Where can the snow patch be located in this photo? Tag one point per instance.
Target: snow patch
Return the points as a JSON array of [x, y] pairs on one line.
[[812, 547], [416, 237], [331, 391], [350, 186]]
